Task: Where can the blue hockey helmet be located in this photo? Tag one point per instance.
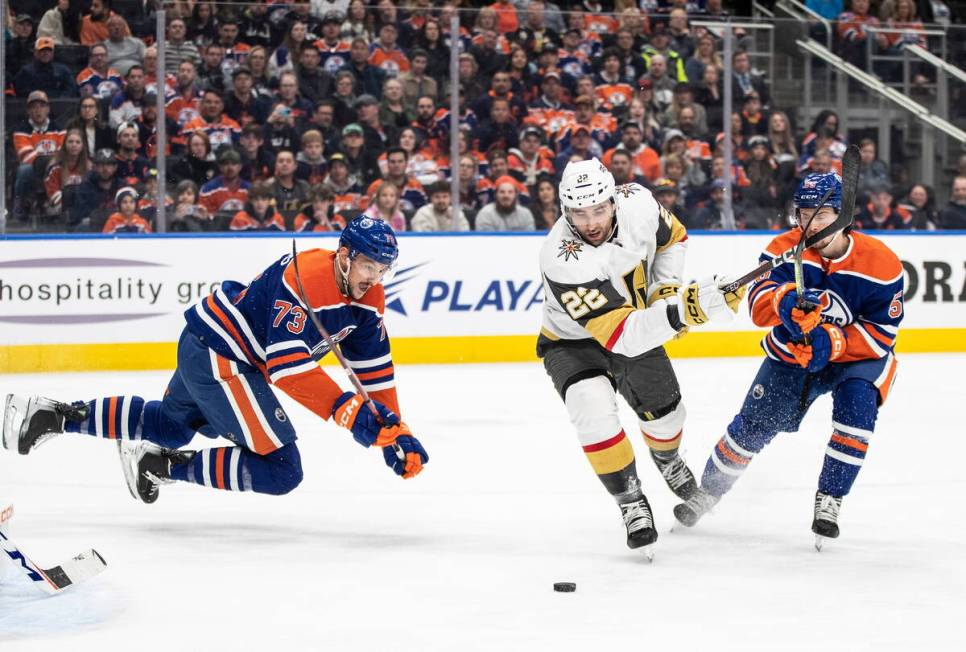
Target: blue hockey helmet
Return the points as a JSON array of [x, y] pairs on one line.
[[813, 187], [372, 238]]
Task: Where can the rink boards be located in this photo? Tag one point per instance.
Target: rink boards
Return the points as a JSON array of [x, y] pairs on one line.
[[94, 303]]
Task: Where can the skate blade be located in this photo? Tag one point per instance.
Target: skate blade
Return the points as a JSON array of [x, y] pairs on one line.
[[648, 552], [14, 413], [819, 542], [129, 465]]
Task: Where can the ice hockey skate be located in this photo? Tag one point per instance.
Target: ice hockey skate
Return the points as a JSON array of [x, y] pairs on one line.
[[825, 524], [690, 512], [639, 522], [147, 466], [29, 421], [676, 473]]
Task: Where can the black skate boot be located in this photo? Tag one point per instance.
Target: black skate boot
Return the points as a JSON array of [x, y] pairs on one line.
[[29, 421], [676, 473], [690, 512], [639, 522], [147, 466], [826, 522]]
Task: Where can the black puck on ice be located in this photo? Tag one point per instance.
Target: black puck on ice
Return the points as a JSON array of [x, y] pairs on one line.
[[564, 587]]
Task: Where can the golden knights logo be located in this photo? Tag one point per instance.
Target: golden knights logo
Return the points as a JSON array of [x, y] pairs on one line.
[[570, 248], [627, 189]]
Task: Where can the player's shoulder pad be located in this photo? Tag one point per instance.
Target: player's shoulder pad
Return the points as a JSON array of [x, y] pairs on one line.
[[374, 299], [566, 258], [316, 269], [783, 242], [872, 258]]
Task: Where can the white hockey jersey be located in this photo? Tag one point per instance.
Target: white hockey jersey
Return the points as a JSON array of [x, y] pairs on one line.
[[616, 293]]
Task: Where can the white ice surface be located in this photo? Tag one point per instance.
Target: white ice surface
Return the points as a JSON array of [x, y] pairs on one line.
[[464, 556]]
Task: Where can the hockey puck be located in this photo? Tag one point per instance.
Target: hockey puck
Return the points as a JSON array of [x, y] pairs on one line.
[[564, 587]]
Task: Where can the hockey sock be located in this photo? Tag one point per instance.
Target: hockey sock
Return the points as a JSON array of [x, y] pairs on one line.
[[727, 462], [854, 412], [238, 469], [613, 462], [666, 448], [131, 417], [113, 417]]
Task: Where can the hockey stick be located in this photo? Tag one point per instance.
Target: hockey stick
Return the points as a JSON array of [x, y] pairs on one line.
[[850, 175], [353, 378], [50, 580]]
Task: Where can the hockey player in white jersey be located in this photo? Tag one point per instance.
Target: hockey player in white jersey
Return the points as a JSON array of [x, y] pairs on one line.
[[612, 279]]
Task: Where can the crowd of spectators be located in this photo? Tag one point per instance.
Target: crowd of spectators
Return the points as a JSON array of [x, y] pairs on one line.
[[298, 116]]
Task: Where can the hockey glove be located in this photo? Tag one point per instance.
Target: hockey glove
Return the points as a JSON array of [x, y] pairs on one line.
[[703, 301], [827, 344], [798, 321], [351, 412], [414, 456]]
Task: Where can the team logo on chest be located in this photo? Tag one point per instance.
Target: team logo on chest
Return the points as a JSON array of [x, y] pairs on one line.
[[322, 348], [835, 310], [570, 248]]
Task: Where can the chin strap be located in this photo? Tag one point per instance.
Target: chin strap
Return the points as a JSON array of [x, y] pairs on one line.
[[344, 276]]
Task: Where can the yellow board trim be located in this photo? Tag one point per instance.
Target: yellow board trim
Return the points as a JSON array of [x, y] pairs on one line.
[[138, 356]]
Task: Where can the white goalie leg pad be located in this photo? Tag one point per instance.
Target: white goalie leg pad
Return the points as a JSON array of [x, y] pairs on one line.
[[664, 433], [592, 406]]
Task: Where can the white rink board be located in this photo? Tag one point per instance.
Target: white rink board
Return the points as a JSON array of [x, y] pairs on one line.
[[100, 290]]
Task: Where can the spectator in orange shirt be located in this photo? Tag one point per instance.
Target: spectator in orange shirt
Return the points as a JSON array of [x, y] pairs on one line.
[[506, 16], [259, 213], [647, 162], [93, 27], [126, 220]]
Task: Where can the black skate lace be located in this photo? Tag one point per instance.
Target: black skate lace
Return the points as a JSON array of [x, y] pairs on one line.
[[636, 516], [827, 508], [676, 473]]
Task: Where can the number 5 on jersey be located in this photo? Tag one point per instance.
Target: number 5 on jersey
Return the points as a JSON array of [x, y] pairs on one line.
[[297, 317]]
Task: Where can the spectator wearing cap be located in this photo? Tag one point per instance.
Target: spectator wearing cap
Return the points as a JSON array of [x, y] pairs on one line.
[[147, 124], [531, 158], [35, 140], [45, 74], [94, 25], [954, 215], [345, 187], [259, 212], [660, 45], [385, 54], [314, 82], [411, 193], [761, 198], [333, 49], [212, 121], [505, 212], [20, 46], [227, 193], [178, 48], [123, 50], [95, 195], [647, 162], [378, 136], [580, 147], [416, 82], [744, 80], [601, 125], [549, 111], [881, 214], [668, 194], [242, 104], [126, 219], [360, 160], [437, 215], [611, 86], [711, 215], [131, 166], [98, 79], [754, 121]]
